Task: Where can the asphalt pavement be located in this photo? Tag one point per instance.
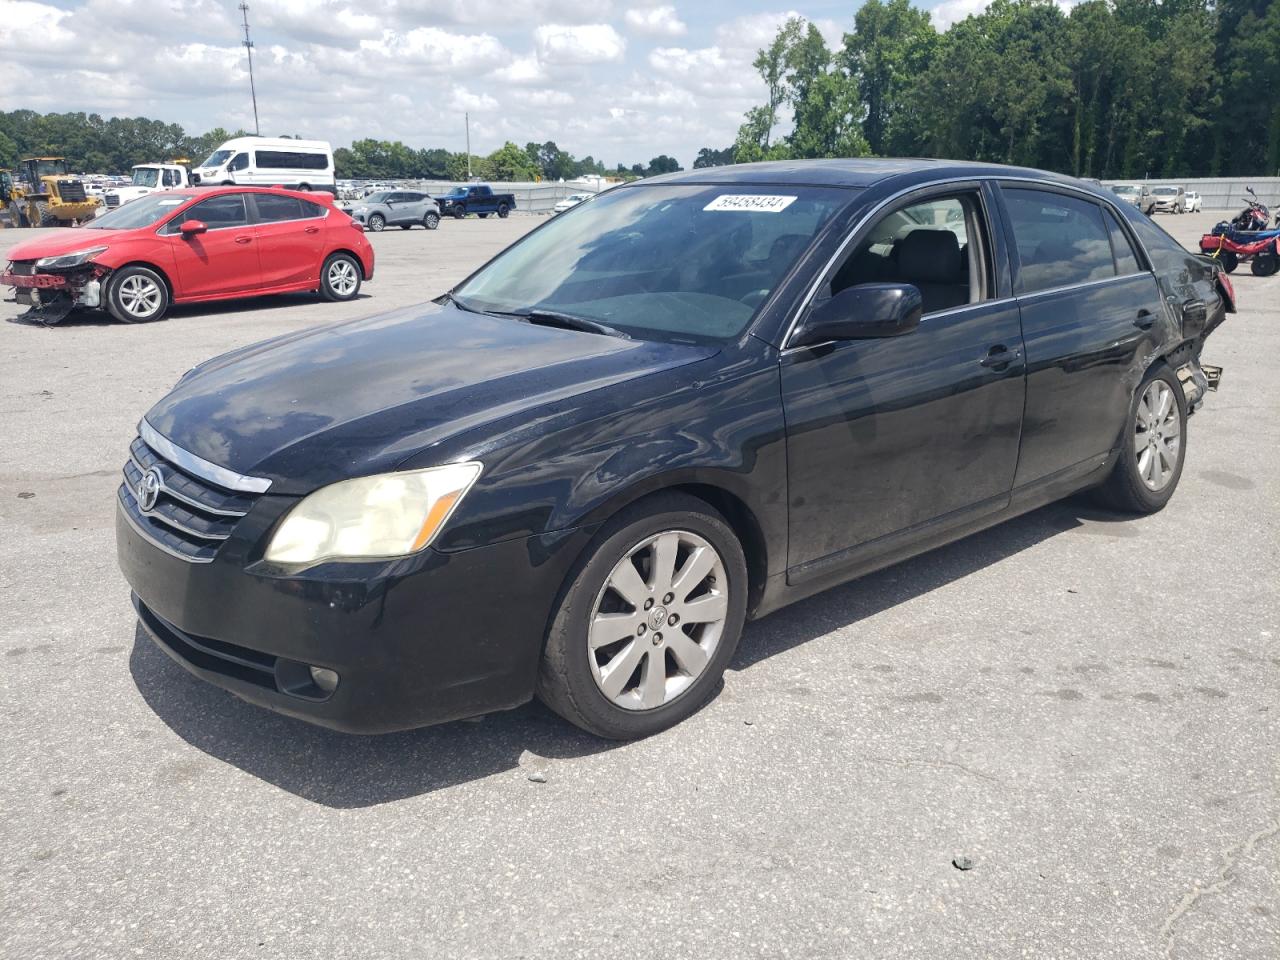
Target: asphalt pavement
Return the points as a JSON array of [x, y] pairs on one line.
[[1082, 708]]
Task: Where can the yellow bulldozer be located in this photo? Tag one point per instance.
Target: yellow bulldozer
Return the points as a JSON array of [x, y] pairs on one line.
[[50, 197]]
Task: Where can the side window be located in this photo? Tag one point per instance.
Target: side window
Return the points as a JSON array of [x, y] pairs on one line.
[[273, 208], [171, 178], [1126, 260], [1059, 240], [219, 212], [937, 245], [1165, 252], [241, 162], [310, 209]]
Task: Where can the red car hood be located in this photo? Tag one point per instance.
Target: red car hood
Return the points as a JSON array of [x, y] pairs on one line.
[[65, 241]]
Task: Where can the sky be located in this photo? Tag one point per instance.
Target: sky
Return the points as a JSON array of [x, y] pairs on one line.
[[620, 80]]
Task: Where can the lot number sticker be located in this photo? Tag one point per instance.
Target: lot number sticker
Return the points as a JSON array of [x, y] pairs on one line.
[[748, 203]]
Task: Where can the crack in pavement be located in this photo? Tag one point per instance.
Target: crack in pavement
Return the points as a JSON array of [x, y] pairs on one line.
[[936, 764], [1230, 857]]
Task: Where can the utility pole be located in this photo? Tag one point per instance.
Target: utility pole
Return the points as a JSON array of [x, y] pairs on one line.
[[248, 46], [466, 119]]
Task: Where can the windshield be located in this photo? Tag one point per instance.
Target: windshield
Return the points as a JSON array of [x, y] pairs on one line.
[[1165, 191], [217, 158], [146, 178], [690, 263], [1124, 189], [140, 213]]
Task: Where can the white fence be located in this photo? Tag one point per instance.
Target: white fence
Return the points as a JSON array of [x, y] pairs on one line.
[[1222, 193]]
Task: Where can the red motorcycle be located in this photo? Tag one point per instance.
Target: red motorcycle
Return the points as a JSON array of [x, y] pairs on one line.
[[1255, 216]]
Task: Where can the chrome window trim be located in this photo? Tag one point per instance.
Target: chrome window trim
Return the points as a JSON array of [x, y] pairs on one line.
[[199, 466], [1079, 286], [996, 179]]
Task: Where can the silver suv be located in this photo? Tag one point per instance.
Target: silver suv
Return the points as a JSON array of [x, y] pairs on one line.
[[396, 208]]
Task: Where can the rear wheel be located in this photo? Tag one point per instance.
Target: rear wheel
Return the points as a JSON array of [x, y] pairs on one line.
[[1153, 447], [137, 294], [1264, 265], [503, 210], [649, 621], [305, 186], [340, 277], [431, 220]]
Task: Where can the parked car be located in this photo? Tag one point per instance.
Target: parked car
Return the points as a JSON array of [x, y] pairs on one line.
[[478, 199], [1136, 194], [1169, 199], [396, 208], [1195, 203], [701, 398], [190, 246], [270, 161], [149, 178], [571, 201]]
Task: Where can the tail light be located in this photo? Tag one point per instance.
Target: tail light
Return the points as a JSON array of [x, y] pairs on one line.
[[1227, 290]]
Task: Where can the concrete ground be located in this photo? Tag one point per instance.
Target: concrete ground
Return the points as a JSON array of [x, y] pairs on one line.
[[1087, 707]]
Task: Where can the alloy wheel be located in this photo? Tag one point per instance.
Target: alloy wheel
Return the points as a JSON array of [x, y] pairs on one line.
[[342, 277], [1157, 435], [658, 619], [140, 296]]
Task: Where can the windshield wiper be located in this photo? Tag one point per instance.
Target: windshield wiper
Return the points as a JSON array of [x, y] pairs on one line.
[[569, 321], [459, 302]]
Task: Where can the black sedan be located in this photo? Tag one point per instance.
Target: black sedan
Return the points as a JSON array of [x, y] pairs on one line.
[[684, 403]]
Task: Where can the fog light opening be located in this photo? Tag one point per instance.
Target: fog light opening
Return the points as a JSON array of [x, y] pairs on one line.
[[325, 679]]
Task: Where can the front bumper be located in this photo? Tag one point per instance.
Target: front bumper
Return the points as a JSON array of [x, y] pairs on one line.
[[416, 641]]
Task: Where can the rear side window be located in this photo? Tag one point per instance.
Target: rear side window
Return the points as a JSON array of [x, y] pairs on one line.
[[1165, 252], [273, 208], [1060, 240], [218, 212], [290, 160], [1126, 259]]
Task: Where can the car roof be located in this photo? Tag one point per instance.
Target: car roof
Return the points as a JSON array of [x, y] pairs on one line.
[[852, 172]]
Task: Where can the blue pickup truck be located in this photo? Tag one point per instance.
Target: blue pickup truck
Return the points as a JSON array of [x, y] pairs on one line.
[[477, 199]]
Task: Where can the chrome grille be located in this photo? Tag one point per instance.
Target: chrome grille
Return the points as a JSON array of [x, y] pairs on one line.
[[113, 199], [190, 516]]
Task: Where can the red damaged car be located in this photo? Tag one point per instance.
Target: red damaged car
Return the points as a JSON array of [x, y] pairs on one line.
[[191, 246]]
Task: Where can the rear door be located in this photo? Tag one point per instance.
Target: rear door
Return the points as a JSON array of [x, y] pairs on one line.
[[290, 236], [221, 261], [889, 440], [1090, 312]]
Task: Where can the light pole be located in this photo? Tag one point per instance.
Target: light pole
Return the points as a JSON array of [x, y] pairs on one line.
[[248, 46], [466, 120]]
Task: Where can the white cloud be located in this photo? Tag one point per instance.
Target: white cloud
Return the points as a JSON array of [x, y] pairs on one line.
[[655, 22], [578, 45]]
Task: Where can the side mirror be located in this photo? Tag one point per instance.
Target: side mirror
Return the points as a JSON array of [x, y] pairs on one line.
[[190, 228], [864, 312]]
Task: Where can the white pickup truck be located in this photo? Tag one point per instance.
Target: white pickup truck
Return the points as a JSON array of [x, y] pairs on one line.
[[149, 178]]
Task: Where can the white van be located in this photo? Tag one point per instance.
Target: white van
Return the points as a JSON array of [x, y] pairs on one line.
[[269, 162]]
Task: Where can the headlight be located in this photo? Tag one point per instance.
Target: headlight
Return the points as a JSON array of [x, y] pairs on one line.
[[71, 259], [388, 515]]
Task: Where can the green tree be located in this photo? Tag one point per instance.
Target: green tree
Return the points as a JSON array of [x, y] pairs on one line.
[[891, 43]]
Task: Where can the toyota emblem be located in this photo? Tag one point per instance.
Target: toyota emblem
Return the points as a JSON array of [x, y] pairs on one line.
[[149, 489]]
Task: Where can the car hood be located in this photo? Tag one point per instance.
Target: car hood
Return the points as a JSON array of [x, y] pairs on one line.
[[363, 396], [63, 242]]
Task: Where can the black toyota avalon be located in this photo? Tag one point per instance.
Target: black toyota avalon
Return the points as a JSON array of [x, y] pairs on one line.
[[682, 404]]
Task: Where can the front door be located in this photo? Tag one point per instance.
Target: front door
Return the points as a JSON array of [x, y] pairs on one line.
[[222, 260], [892, 438]]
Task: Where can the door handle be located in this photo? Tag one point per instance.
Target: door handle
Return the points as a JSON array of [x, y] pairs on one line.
[[244, 239], [1145, 319], [313, 230], [1000, 356]]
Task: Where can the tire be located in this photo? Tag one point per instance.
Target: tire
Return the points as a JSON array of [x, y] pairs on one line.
[[458, 211], [17, 215], [44, 216], [431, 221], [1264, 265], [1229, 261], [304, 187], [573, 674], [1145, 446], [137, 294], [377, 223], [406, 226], [482, 215], [340, 277], [503, 210]]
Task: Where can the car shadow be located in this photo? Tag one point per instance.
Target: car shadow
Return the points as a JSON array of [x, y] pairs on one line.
[[348, 771], [81, 317]]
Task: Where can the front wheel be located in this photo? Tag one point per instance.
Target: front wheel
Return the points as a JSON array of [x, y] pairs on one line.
[[503, 210], [340, 277], [1152, 447], [649, 621], [377, 223], [458, 212], [137, 294], [431, 221], [1229, 261]]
